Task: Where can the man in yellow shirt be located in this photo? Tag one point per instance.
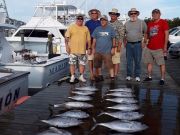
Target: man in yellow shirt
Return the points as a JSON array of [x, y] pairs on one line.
[[76, 37]]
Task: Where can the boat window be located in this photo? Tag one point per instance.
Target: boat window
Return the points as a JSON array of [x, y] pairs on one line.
[[33, 33], [62, 32]]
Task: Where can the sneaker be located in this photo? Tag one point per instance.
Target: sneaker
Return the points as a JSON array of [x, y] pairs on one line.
[[128, 78], [81, 78], [161, 82], [72, 79], [147, 79], [137, 79]]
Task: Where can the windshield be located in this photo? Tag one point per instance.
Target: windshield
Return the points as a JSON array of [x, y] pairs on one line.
[[173, 31]]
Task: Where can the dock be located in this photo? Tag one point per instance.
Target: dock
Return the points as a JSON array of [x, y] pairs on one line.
[[159, 104]]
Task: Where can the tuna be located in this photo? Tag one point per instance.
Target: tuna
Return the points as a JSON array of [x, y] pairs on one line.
[[122, 90], [123, 126], [125, 107], [88, 88], [70, 105], [122, 100], [55, 131], [124, 115], [84, 93], [81, 98], [121, 94], [63, 122], [75, 113]]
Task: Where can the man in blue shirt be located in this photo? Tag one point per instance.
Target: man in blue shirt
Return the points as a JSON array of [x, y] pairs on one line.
[[104, 45], [92, 24]]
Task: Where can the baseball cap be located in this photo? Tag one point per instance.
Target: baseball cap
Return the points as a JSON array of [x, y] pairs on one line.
[[104, 17], [156, 11]]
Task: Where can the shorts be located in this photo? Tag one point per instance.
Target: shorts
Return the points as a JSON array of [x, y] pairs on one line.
[[90, 57], [81, 59], [152, 56], [99, 58], [116, 58]]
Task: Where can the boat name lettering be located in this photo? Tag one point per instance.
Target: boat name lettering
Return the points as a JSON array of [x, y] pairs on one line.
[[58, 68], [7, 99]]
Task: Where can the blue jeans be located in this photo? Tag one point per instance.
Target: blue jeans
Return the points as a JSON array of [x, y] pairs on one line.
[[133, 55]]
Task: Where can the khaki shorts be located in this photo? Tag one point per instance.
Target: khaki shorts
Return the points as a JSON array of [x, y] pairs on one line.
[[90, 57], [116, 58], [151, 56], [100, 58]]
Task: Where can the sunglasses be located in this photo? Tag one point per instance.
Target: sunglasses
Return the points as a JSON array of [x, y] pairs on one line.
[[133, 13], [93, 13], [80, 18], [113, 14]]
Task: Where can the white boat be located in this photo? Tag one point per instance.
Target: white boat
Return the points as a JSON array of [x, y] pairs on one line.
[[13, 84], [29, 46]]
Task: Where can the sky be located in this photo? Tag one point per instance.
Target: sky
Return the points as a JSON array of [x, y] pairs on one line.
[[24, 9]]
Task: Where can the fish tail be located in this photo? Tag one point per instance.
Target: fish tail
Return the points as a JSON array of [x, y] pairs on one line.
[[45, 121], [55, 105]]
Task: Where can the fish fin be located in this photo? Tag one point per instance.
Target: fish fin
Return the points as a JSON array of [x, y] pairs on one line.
[[94, 120], [55, 130], [101, 114], [94, 127]]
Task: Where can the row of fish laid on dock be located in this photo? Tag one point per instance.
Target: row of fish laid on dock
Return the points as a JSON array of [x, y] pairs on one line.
[[125, 111]]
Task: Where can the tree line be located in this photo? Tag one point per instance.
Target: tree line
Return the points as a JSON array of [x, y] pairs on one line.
[[172, 22]]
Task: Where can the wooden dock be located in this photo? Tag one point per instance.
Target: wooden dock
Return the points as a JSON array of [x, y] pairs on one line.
[[25, 119]]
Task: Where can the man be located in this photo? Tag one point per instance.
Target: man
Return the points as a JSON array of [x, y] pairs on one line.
[[104, 45], [134, 29], [92, 24], [119, 29], [76, 37], [157, 46]]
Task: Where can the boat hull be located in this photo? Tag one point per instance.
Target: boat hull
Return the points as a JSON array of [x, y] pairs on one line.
[[41, 75], [12, 87]]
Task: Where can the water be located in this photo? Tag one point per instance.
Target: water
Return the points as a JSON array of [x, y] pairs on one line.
[[161, 109]]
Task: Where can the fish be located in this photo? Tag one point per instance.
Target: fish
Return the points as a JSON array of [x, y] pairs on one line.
[[55, 131], [88, 88], [122, 90], [122, 100], [63, 122], [125, 107], [81, 98], [70, 105], [74, 113], [124, 115], [123, 126], [121, 94], [84, 93]]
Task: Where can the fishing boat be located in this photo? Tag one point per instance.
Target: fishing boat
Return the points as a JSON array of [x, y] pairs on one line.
[[13, 84], [38, 47]]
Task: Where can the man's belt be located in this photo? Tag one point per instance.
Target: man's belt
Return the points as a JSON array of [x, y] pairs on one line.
[[134, 42]]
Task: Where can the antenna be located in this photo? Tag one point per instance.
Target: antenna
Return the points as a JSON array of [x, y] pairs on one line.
[[3, 5]]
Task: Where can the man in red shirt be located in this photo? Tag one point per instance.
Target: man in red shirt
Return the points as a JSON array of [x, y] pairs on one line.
[[157, 46]]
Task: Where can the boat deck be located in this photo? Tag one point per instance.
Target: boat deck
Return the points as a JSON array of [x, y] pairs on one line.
[[159, 104]]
